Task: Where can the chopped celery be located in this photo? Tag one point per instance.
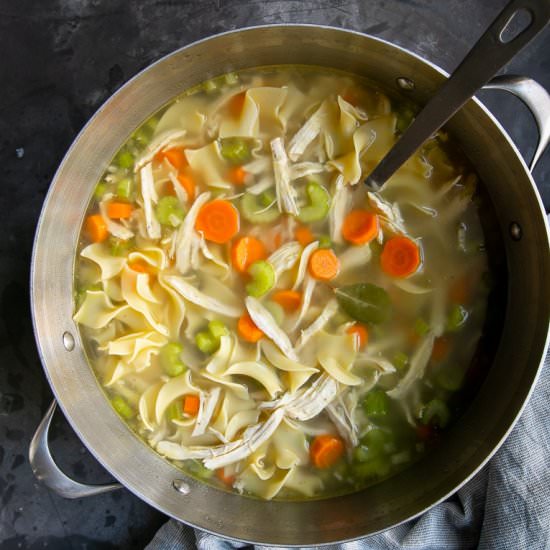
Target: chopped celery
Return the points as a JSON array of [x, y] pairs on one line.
[[277, 312], [456, 318], [319, 205], [255, 212], [100, 190], [450, 378], [194, 467], [400, 361], [217, 329], [119, 247], [169, 211], [405, 115], [231, 78], [377, 440], [436, 413], [324, 241], [175, 410], [142, 136], [125, 159], [267, 198], [421, 327], [169, 357], [206, 342], [210, 86], [361, 453], [235, 150], [376, 403], [124, 188], [152, 123], [376, 467], [263, 278], [121, 407]]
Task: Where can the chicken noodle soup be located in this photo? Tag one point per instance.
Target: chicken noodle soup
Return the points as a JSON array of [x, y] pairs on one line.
[[254, 313]]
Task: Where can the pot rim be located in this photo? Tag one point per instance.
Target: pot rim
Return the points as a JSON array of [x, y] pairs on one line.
[[49, 198]]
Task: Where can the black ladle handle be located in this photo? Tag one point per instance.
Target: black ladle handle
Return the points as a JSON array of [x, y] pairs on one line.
[[485, 59]]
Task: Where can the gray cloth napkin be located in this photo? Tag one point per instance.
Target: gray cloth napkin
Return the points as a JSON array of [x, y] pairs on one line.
[[507, 505]]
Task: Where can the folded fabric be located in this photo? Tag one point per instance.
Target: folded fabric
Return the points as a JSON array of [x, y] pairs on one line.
[[505, 505]]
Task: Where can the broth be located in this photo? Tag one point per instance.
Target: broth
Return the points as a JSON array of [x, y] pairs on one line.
[[254, 313]]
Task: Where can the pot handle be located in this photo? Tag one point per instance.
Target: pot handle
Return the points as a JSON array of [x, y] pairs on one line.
[[46, 470], [536, 99]]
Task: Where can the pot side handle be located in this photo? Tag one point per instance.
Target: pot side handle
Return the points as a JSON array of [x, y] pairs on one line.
[[536, 99], [46, 470]]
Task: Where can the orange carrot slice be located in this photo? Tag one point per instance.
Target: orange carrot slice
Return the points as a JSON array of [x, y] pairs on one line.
[[119, 210], [218, 220], [245, 252], [187, 182], [248, 331], [289, 300], [96, 228], [237, 175], [360, 227], [400, 257], [176, 157], [361, 333], [324, 265], [222, 476], [140, 266], [303, 235], [236, 104], [326, 450], [191, 404]]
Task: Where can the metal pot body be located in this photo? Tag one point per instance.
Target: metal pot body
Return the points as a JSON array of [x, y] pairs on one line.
[[470, 442]]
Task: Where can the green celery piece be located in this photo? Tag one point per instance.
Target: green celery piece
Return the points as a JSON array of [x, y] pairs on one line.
[[457, 318], [210, 86], [277, 312], [195, 468], [175, 410], [100, 190], [450, 378], [376, 403], [319, 205], [235, 150], [124, 188], [125, 159], [206, 342], [361, 453], [400, 361], [364, 302], [376, 440], [374, 468], [118, 247], [324, 241], [267, 197], [421, 327], [217, 329], [231, 78], [263, 278], [405, 116], [436, 413], [121, 407], [152, 123], [169, 211], [255, 212], [142, 136], [169, 357]]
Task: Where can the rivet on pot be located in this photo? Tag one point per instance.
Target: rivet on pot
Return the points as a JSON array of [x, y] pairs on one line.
[[180, 486], [405, 83], [515, 231], [68, 341]]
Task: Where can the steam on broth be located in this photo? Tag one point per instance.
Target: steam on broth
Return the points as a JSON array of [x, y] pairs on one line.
[[256, 315]]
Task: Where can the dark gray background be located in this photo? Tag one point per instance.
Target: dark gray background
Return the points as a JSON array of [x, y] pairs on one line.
[[59, 60]]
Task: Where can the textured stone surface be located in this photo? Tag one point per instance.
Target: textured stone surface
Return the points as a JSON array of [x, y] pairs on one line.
[[60, 60]]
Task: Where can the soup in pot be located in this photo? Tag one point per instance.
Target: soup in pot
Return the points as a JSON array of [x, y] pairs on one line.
[[254, 313]]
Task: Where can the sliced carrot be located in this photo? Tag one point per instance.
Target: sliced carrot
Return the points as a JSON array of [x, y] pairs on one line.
[[303, 235], [176, 157], [326, 450], [187, 182], [218, 220], [169, 189], [289, 300], [222, 476], [361, 333], [360, 227], [119, 210], [277, 240], [245, 251], [237, 175], [236, 104], [140, 266], [191, 404], [440, 348], [400, 257], [248, 331], [96, 228], [459, 290], [324, 265]]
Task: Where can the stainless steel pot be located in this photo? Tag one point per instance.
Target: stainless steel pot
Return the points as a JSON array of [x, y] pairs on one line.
[[522, 226]]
